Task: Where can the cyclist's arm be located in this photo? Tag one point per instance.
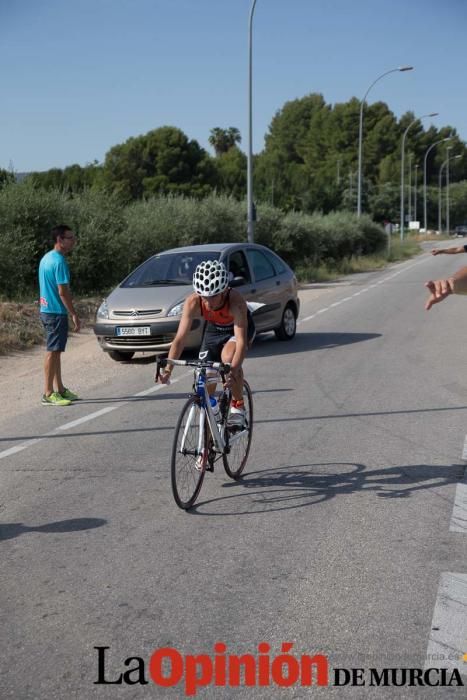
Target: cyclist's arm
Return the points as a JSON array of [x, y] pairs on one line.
[[440, 289], [238, 309], [189, 313]]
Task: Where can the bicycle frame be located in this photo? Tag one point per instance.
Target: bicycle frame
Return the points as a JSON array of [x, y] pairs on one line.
[[206, 412], [221, 445]]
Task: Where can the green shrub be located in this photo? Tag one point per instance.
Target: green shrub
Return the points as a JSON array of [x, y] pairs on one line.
[[113, 238]]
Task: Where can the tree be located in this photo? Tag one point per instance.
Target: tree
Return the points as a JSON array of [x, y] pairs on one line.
[[231, 169], [6, 178], [163, 161], [224, 139]]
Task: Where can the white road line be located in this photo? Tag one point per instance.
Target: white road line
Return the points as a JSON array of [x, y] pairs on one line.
[[459, 511], [447, 643], [356, 294], [19, 448], [85, 419]]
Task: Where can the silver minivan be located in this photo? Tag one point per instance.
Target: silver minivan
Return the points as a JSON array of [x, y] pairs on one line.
[[143, 312]]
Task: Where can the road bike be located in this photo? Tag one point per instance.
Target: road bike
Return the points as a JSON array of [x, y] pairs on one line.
[[201, 439]]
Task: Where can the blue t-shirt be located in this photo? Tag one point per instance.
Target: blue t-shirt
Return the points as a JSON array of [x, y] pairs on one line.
[[53, 270]]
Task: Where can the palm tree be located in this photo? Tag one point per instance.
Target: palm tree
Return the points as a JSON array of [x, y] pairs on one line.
[[223, 140]]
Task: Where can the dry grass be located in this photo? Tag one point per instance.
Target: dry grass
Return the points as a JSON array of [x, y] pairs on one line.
[[21, 327]]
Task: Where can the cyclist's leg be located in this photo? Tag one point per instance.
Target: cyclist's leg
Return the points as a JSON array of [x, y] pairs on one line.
[[228, 351], [210, 350]]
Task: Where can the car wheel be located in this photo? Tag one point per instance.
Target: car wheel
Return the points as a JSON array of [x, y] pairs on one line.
[[288, 327], [120, 356]]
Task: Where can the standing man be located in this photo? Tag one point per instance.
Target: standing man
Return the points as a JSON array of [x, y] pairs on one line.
[[55, 305]]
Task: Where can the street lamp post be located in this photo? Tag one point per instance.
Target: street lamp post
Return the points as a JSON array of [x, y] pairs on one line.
[[425, 220], [409, 187], [432, 114], [251, 217], [415, 194], [440, 180], [360, 134], [448, 227]]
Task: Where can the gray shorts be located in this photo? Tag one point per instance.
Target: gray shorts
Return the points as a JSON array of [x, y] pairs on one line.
[[56, 331]]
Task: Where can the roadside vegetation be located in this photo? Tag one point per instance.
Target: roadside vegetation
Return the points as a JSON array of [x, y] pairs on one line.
[[162, 189]]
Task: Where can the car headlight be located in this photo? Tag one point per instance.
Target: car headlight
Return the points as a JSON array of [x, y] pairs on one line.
[[103, 310], [177, 309]]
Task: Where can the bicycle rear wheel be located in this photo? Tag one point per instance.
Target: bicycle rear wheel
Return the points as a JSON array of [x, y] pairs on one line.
[[188, 467], [240, 441]]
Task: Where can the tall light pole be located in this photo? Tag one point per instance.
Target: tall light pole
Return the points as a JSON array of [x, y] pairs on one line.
[[409, 198], [440, 180], [432, 114], [448, 228], [251, 217], [415, 194], [360, 133], [425, 220]]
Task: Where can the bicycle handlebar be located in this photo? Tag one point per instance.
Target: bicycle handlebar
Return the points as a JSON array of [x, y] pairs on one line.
[[223, 367]]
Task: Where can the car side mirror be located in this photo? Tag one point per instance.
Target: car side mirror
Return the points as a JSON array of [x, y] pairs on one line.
[[237, 282]]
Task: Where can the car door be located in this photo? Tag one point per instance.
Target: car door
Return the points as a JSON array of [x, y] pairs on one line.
[[267, 289], [237, 264]]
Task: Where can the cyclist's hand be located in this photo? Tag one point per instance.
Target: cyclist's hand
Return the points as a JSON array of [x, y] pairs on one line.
[[435, 251], [439, 290], [164, 377]]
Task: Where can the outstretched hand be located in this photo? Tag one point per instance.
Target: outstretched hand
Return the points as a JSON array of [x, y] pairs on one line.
[[439, 290]]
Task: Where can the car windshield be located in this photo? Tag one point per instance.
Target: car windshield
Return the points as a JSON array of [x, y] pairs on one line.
[[168, 269]]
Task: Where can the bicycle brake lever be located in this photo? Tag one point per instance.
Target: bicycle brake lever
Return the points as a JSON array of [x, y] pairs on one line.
[[160, 364]]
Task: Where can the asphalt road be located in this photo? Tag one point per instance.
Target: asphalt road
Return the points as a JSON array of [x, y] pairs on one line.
[[346, 536]]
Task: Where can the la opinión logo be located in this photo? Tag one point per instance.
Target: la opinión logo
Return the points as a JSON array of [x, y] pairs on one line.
[[167, 668]]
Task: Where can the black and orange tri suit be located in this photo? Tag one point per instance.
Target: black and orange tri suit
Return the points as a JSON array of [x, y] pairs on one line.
[[220, 329]]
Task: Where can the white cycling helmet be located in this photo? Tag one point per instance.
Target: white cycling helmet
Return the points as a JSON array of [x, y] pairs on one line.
[[210, 278]]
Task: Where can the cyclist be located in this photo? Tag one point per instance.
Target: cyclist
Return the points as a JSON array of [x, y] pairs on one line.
[[229, 331]]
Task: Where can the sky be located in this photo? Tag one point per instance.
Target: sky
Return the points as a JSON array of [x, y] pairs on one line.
[[80, 76]]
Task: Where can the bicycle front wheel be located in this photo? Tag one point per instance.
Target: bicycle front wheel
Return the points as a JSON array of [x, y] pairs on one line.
[[240, 441], [188, 465]]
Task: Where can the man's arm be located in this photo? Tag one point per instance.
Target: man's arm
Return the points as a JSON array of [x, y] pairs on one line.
[[65, 296], [190, 311], [440, 289], [449, 251]]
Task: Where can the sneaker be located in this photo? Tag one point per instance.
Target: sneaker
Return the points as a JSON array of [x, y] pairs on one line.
[[55, 399], [69, 395], [236, 418]]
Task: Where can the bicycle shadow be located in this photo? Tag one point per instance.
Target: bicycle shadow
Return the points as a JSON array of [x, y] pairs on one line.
[[303, 485]]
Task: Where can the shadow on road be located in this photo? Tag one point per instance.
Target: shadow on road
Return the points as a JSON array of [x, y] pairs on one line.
[[279, 419], [299, 485], [266, 345], [10, 530]]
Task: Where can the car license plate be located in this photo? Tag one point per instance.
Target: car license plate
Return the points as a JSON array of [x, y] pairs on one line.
[[133, 330]]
